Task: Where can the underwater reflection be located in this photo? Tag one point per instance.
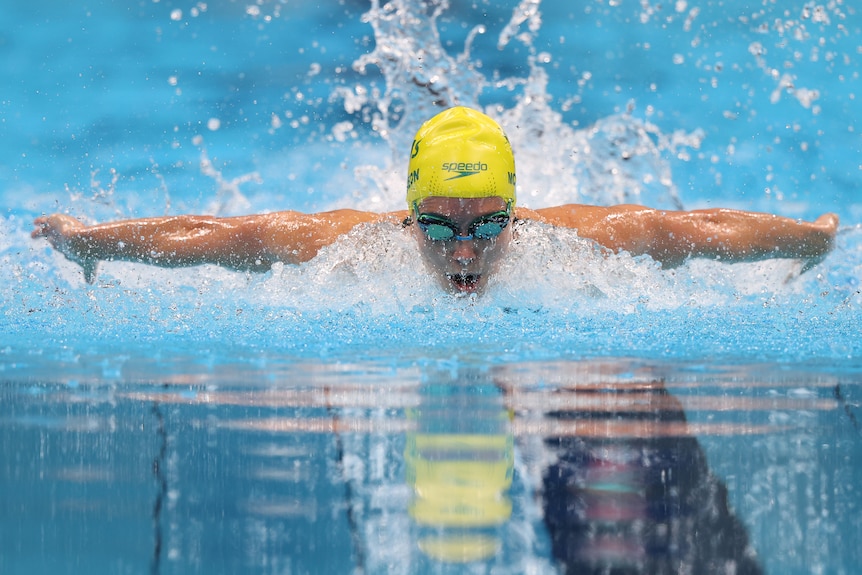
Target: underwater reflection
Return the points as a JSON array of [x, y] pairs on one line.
[[440, 497], [628, 503], [459, 461], [451, 468], [624, 487]]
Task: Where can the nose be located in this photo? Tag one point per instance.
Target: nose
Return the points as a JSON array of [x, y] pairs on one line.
[[464, 252]]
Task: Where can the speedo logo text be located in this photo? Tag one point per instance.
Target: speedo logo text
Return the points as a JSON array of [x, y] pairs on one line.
[[464, 169]]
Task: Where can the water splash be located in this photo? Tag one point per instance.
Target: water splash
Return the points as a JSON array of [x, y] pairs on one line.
[[421, 76], [229, 199], [556, 293], [621, 158], [420, 79]]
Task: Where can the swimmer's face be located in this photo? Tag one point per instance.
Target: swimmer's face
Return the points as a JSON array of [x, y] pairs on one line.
[[462, 266]]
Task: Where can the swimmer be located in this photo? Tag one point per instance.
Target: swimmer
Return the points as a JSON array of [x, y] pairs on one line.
[[461, 209]]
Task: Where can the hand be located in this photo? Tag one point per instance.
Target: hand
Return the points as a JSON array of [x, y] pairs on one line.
[[826, 226], [827, 223], [60, 230]]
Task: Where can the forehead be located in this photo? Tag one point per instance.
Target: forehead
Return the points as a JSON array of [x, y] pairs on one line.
[[454, 207]]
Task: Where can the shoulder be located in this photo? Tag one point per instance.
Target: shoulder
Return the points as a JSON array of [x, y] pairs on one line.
[[297, 237], [582, 215], [342, 218]]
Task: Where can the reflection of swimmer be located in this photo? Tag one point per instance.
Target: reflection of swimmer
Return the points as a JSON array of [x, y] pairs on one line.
[[461, 198], [640, 505], [460, 483], [459, 465]]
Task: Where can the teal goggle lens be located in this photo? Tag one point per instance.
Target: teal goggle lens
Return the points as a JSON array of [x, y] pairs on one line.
[[483, 228]]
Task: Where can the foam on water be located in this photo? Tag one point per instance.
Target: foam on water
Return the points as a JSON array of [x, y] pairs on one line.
[[368, 296]]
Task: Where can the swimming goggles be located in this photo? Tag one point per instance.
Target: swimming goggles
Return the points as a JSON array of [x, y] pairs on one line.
[[485, 227]]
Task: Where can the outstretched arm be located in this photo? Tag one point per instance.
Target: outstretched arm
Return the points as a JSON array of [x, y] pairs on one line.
[[671, 237], [245, 242]]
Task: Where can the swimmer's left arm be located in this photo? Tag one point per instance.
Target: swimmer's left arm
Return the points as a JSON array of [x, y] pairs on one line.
[[735, 235], [671, 237]]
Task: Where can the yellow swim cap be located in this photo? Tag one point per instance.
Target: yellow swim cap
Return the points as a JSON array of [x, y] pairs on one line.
[[461, 153]]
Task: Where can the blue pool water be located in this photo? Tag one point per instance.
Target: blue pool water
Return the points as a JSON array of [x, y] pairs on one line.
[[589, 412]]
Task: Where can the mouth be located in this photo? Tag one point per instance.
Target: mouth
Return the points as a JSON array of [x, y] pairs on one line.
[[467, 283]]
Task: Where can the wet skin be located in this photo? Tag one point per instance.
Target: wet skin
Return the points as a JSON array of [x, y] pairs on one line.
[[462, 266], [255, 242]]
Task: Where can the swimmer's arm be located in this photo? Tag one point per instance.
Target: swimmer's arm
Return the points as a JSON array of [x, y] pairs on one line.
[[251, 243], [671, 237]]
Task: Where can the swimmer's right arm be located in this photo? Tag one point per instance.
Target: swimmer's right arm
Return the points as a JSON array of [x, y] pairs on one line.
[[251, 243]]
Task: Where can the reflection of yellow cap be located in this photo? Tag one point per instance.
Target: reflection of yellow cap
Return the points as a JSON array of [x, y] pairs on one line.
[[460, 480], [461, 153], [460, 548]]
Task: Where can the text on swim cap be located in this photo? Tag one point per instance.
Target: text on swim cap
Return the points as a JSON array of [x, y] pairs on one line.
[[465, 167], [412, 177]]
